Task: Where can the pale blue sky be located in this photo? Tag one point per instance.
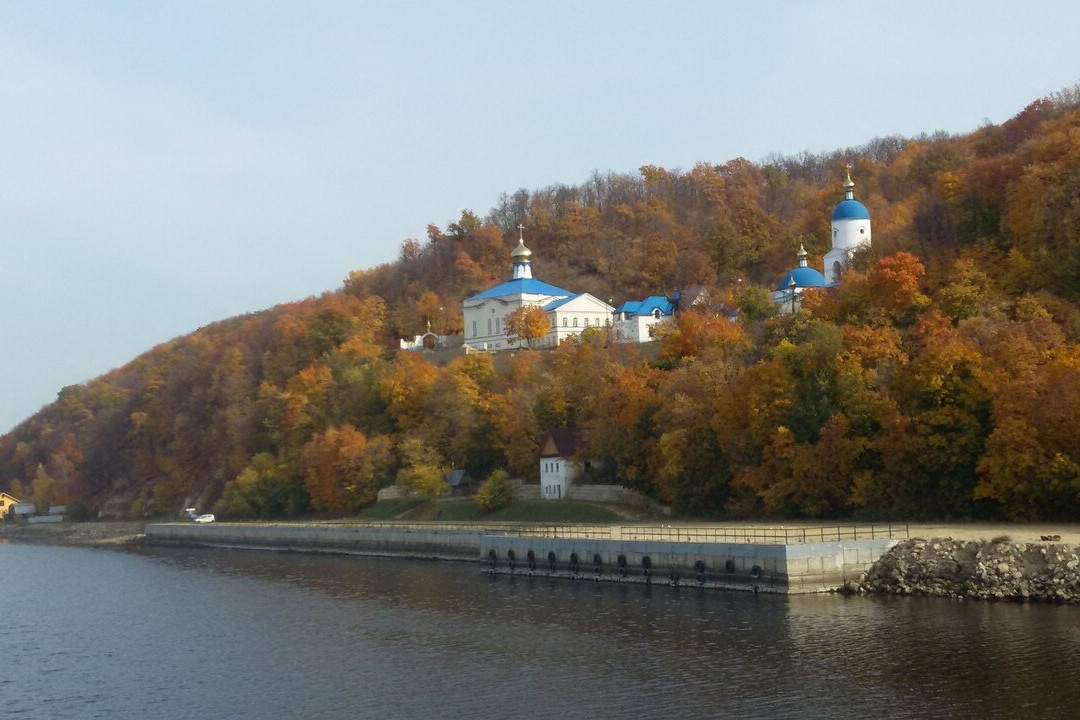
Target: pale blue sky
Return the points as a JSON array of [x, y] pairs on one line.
[[167, 164]]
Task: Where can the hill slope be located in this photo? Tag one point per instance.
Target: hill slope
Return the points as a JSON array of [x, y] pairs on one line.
[[939, 380]]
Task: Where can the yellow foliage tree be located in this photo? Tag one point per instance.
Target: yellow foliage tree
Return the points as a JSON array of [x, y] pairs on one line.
[[528, 323]]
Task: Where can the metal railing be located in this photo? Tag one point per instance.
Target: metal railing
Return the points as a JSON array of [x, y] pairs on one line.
[[774, 535], [764, 535], [592, 532], [582, 532]]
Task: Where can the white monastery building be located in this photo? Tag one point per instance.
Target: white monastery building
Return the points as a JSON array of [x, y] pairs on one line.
[[850, 231], [568, 313], [635, 319]]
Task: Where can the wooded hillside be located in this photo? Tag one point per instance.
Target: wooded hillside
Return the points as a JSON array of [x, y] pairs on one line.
[[942, 379]]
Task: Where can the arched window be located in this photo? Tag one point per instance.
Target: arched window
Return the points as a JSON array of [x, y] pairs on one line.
[[656, 313], [489, 326], [575, 322], [474, 328], [837, 270]]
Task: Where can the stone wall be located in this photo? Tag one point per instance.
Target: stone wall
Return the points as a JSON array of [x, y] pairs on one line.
[[606, 494], [616, 494], [412, 542], [996, 569], [390, 493]]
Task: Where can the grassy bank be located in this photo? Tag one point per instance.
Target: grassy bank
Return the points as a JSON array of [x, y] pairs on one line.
[[532, 511]]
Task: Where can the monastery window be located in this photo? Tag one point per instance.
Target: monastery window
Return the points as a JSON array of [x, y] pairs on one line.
[[489, 326], [586, 322], [552, 322], [564, 322], [575, 322], [498, 325], [474, 328]]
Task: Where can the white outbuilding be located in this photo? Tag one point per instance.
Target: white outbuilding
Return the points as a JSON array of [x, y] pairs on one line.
[[557, 465]]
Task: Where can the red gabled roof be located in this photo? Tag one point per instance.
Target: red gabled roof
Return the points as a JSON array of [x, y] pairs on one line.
[[561, 442]]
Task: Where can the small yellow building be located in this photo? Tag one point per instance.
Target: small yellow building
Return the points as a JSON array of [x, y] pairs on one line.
[[6, 501]]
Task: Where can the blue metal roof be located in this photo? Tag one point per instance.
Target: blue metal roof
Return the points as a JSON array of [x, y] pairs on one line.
[[556, 304], [522, 286], [850, 210], [646, 306], [804, 277]]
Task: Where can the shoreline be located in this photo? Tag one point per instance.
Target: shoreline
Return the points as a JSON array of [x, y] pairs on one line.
[[75, 534], [987, 561]]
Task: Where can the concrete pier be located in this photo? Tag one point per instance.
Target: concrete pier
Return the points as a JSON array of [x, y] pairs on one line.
[[769, 562], [758, 567]]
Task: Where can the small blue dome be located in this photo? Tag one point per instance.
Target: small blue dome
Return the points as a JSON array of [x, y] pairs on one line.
[[850, 210], [804, 277]]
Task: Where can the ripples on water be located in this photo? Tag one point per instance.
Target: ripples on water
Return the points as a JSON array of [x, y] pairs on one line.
[[164, 633]]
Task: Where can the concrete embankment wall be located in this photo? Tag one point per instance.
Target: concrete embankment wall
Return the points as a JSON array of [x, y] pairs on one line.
[[773, 568], [760, 567], [976, 569], [403, 542]]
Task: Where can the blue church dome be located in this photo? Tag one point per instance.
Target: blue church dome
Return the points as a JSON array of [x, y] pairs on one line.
[[804, 277], [850, 210]]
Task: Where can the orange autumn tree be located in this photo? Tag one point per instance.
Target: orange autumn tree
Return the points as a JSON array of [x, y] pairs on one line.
[[528, 323], [343, 469], [894, 282]]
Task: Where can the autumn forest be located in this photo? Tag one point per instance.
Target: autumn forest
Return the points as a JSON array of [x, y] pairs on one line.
[[941, 379]]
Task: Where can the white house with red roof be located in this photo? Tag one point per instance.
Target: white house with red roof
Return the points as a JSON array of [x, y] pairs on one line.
[[557, 465]]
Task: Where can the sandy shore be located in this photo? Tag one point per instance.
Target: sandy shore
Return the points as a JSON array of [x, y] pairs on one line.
[[1016, 532]]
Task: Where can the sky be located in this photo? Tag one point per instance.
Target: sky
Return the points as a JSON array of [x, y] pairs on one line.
[[164, 165]]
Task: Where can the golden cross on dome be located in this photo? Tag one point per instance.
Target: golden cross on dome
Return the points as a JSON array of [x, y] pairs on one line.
[[521, 232]]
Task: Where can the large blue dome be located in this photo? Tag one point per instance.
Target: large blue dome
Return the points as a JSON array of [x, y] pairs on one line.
[[850, 210], [804, 277]]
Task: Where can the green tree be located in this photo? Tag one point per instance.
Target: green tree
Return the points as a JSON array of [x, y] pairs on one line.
[[422, 470], [496, 492]]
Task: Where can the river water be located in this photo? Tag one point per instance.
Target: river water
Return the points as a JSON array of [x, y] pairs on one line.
[[177, 633]]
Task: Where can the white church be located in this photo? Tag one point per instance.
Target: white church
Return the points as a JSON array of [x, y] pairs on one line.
[[850, 231], [568, 313]]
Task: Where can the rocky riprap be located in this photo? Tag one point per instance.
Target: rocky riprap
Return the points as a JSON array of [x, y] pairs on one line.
[[989, 570]]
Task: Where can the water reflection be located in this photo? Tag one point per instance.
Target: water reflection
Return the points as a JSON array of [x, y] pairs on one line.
[[243, 634]]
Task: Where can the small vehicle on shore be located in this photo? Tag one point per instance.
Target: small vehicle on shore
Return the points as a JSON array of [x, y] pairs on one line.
[[194, 516]]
